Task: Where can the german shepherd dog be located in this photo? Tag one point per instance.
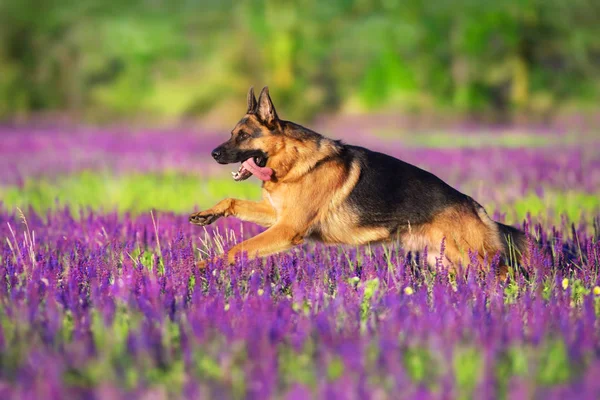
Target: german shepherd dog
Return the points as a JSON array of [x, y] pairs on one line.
[[325, 190]]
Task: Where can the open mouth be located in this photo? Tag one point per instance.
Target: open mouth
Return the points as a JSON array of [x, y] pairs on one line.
[[253, 166]]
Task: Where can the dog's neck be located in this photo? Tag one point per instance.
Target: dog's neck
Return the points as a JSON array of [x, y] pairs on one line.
[[302, 151]]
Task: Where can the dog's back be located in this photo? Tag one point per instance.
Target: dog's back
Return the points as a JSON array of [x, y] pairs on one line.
[[422, 210], [391, 192]]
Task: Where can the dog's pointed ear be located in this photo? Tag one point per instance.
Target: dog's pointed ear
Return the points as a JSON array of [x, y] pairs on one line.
[[266, 111], [251, 102]]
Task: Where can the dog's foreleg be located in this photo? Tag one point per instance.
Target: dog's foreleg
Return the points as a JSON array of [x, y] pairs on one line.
[[258, 212], [279, 237]]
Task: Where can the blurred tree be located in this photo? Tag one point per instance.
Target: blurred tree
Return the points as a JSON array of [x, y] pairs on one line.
[[180, 57]]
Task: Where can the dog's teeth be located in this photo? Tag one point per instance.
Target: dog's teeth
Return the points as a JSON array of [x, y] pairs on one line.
[[233, 173]]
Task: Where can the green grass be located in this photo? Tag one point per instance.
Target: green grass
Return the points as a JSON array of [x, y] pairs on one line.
[[134, 193], [442, 140], [572, 204], [181, 193]]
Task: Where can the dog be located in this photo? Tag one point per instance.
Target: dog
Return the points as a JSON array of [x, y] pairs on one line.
[[316, 188]]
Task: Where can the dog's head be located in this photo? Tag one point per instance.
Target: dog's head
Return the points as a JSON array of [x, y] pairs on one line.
[[253, 140]]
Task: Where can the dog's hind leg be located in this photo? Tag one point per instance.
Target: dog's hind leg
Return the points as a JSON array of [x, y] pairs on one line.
[[261, 213], [465, 231]]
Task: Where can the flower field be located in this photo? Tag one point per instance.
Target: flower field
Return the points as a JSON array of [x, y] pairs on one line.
[[100, 296]]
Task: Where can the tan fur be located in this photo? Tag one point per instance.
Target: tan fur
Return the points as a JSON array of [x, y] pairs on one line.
[[303, 201], [306, 199], [259, 213], [461, 229]]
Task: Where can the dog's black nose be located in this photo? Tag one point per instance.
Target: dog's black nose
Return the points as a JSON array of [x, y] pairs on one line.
[[216, 153]]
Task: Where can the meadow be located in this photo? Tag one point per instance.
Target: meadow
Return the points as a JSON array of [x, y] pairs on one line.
[[100, 296]]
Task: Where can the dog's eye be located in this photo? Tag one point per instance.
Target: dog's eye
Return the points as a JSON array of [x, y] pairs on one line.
[[244, 135]]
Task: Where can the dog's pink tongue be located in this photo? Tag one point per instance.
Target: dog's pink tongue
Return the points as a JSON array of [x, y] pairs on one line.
[[262, 173]]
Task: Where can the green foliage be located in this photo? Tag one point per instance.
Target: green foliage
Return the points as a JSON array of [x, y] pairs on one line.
[[207, 367], [134, 193], [178, 58], [554, 367], [335, 369], [511, 293], [514, 362], [468, 367], [181, 193], [298, 367], [420, 365], [571, 203], [443, 140], [370, 288]]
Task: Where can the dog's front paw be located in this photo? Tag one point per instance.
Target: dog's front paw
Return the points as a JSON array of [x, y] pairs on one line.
[[203, 218]]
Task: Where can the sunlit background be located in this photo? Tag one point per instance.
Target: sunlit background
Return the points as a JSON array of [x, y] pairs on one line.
[[104, 59], [109, 110], [498, 90]]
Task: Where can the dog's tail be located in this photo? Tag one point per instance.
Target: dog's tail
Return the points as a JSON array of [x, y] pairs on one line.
[[514, 242], [510, 241]]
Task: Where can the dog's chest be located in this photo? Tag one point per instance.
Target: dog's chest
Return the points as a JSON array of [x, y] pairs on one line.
[[275, 201]]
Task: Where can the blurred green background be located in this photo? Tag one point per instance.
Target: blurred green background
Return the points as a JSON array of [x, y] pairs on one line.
[[172, 59]]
